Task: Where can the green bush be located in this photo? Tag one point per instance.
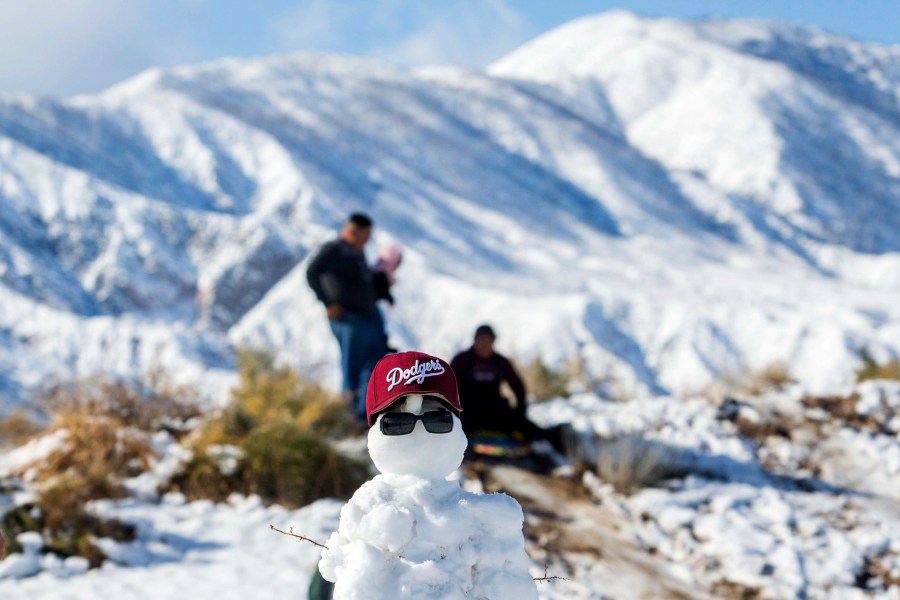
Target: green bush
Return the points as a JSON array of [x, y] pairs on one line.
[[279, 423], [294, 467], [202, 478]]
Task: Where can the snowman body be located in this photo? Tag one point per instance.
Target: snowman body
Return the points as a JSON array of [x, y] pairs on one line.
[[410, 533]]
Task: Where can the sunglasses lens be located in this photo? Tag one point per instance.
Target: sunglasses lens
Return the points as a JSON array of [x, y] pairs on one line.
[[397, 423], [438, 421]]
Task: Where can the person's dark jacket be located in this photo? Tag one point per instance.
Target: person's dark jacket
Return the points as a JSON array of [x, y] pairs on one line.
[[339, 275], [479, 379], [382, 287]]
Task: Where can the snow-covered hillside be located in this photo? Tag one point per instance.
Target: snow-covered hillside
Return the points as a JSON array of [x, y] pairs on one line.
[[669, 201]]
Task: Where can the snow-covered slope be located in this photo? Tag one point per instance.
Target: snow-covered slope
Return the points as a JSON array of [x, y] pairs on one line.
[[669, 201]]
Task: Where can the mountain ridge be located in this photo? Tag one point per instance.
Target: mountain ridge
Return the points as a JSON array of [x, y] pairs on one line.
[[167, 219]]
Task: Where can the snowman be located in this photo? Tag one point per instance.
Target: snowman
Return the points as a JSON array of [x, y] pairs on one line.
[[410, 533]]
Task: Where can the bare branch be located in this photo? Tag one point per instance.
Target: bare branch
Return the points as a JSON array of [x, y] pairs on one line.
[[550, 577], [291, 533]]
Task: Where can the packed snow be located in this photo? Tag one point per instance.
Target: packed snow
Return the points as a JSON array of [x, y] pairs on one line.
[[186, 549], [745, 514]]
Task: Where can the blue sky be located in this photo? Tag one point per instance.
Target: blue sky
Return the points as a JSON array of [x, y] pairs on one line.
[[62, 47]]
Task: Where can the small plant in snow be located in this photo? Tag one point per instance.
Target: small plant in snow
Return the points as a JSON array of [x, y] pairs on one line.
[[872, 369], [774, 376], [630, 463], [544, 382], [16, 428]]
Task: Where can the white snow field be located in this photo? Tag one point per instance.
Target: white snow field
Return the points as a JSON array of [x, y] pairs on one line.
[[745, 517], [668, 202]]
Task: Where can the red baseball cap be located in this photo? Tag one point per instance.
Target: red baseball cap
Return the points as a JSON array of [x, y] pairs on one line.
[[404, 373]]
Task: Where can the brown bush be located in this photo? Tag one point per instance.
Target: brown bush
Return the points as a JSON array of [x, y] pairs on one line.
[[18, 427], [774, 376], [268, 394], [149, 407], [98, 452], [202, 478], [287, 465], [873, 370], [67, 526], [280, 423], [544, 382], [98, 448], [630, 463]]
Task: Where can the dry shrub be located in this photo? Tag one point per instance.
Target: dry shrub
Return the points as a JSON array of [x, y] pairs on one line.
[[544, 382], [202, 478], [280, 423], [103, 446], [68, 528], [98, 453], [270, 394], [16, 428], [762, 428], [149, 407], [17, 520], [294, 467], [842, 410], [871, 369], [630, 463], [878, 572], [100, 450], [774, 376], [736, 591]]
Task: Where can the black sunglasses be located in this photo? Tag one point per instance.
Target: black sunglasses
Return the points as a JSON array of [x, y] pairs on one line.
[[402, 423]]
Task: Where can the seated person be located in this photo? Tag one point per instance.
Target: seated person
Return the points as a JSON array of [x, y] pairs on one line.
[[480, 370]]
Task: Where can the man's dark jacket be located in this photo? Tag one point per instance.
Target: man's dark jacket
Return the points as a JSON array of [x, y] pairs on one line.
[[479, 379], [339, 275]]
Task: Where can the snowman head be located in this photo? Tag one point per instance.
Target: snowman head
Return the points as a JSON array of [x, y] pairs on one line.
[[413, 403]]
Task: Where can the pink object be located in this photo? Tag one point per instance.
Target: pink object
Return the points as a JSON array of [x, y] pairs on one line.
[[404, 373], [389, 259]]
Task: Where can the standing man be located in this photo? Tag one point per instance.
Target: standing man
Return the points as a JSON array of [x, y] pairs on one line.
[[479, 372], [343, 282]]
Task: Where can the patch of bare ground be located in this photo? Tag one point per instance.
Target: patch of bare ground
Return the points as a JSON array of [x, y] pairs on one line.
[[843, 411], [878, 573], [730, 590], [562, 522]]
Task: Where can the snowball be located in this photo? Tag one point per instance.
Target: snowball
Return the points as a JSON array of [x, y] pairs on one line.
[[420, 453]]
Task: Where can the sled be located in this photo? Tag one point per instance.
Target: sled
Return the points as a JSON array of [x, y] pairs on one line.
[[495, 444], [487, 448]]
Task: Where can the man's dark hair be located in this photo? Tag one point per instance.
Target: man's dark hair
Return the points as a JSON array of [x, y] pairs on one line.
[[485, 330], [362, 221]]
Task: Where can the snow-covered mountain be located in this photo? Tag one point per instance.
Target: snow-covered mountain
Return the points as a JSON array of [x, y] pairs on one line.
[[668, 201]]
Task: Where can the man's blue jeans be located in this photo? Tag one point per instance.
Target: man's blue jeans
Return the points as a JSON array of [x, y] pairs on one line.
[[362, 345]]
